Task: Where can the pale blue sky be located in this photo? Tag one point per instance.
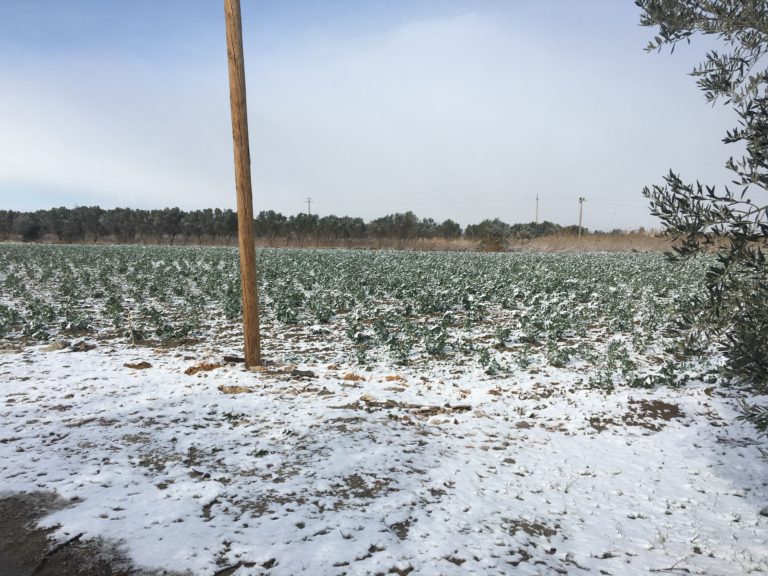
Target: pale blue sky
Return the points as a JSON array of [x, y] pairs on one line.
[[453, 109]]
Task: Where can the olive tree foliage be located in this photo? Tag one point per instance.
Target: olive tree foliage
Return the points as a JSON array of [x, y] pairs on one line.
[[732, 222]]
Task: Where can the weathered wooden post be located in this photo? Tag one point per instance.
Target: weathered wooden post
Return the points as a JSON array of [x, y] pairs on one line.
[[243, 183]]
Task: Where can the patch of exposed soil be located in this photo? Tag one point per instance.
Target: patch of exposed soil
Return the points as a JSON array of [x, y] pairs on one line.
[[235, 389], [512, 526], [26, 550], [138, 365], [401, 529], [652, 415], [201, 367]]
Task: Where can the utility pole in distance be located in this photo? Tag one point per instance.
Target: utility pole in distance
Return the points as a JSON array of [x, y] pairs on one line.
[[243, 183], [581, 210], [309, 205], [537, 208]]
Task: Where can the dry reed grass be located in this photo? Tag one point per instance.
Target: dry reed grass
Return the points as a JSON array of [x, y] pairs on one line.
[[632, 241], [637, 242]]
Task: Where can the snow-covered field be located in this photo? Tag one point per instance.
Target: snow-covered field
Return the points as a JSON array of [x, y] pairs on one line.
[[355, 472], [419, 414]]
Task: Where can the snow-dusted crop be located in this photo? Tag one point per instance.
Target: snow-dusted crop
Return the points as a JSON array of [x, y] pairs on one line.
[[601, 314]]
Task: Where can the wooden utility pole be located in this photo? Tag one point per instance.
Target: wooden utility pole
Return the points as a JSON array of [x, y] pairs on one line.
[[243, 183], [309, 205], [581, 210], [537, 208]]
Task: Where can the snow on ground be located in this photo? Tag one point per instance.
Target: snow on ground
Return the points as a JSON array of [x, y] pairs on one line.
[[328, 469]]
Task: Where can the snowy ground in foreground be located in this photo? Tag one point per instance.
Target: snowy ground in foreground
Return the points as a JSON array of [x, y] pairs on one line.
[[327, 475]]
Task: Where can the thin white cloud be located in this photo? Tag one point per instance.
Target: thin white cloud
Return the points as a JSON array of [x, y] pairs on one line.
[[130, 135], [462, 117]]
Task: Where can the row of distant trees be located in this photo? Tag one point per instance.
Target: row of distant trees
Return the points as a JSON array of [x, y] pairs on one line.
[[173, 225]]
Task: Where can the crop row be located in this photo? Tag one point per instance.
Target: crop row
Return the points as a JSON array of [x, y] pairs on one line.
[[604, 314]]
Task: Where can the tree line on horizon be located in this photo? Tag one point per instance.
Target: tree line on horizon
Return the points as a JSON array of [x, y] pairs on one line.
[[173, 225]]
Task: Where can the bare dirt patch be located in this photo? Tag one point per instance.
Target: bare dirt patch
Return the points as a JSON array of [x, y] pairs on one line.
[[27, 550], [201, 367], [513, 526], [235, 389], [652, 415]]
